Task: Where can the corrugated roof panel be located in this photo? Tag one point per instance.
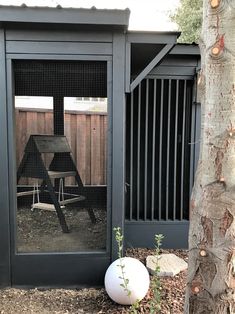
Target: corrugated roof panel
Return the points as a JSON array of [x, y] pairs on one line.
[[70, 16]]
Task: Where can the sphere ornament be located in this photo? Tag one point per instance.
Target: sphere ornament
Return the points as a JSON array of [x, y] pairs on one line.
[[126, 281]]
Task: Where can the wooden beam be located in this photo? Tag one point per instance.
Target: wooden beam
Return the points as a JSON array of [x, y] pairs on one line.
[[151, 65], [5, 267], [128, 67]]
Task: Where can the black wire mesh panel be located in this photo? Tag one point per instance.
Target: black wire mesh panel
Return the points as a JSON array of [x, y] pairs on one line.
[[38, 230], [157, 150], [61, 78]]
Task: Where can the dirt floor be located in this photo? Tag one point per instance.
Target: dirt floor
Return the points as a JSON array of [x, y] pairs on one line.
[[92, 301], [40, 231]]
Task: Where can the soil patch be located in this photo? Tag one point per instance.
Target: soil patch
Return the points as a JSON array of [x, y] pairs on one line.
[[93, 301], [40, 231]]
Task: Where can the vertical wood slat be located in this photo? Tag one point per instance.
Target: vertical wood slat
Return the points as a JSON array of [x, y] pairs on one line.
[[101, 140], [176, 150], [183, 152], [81, 146], [160, 150], [49, 129], [105, 149], [102, 150], [31, 122], [95, 149], [131, 154], [88, 180], [146, 151], [41, 127], [138, 152], [68, 134], [168, 150], [21, 131], [21, 134], [73, 128], [153, 148]]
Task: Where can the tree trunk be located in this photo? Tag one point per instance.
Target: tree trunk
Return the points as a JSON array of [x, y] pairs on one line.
[[211, 277]]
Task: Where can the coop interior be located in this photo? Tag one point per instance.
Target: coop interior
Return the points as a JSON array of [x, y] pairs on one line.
[[61, 123]]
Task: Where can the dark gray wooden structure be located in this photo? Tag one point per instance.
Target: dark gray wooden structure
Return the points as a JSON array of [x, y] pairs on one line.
[[61, 166], [153, 123], [162, 144]]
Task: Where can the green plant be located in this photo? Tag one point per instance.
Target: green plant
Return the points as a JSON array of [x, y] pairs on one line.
[[125, 281], [119, 240], [155, 304]]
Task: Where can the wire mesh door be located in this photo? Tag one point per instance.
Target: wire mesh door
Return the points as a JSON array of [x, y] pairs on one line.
[[61, 155]]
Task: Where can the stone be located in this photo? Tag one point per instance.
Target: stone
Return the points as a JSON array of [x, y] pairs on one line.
[[170, 264]]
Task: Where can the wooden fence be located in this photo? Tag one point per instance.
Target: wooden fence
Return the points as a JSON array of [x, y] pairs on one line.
[[86, 134]]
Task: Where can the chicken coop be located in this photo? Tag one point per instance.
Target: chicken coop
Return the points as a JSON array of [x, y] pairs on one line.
[[99, 129]]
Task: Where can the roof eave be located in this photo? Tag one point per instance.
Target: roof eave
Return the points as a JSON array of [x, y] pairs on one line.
[[153, 37], [117, 19]]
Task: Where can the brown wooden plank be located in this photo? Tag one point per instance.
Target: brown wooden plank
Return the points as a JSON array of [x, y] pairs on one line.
[[31, 122], [73, 144], [88, 150], [48, 130], [95, 150], [20, 140], [49, 123], [81, 147], [41, 127], [102, 148], [41, 123], [67, 133], [17, 137], [105, 147]]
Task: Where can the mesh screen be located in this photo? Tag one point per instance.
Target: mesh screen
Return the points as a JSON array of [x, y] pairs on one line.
[[61, 78], [61, 192]]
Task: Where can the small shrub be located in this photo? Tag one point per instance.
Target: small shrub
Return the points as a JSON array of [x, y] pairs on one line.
[[155, 303]]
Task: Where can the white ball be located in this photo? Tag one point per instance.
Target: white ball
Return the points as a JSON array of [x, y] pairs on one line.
[[138, 281]]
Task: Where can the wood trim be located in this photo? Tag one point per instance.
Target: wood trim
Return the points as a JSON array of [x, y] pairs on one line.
[[151, 65]]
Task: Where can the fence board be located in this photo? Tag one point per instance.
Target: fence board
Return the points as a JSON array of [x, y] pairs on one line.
[[95, 150], [31, 123], [48, 130], [81, 146], [88, 150], [86, 134], [68, 134]]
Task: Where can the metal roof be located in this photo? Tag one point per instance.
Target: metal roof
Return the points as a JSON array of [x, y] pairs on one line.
[[186, 49], [101, 18]]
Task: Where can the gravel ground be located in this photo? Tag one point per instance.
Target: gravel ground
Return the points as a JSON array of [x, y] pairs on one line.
[[92, 301], [39, 231]]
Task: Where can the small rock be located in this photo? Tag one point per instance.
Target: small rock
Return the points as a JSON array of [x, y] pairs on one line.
[[170, 264]]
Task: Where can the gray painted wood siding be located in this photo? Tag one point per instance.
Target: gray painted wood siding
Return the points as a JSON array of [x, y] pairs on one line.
[[45, 35], [42, 47]]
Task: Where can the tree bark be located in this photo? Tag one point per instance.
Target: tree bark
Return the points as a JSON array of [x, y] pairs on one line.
[[211, 276]]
